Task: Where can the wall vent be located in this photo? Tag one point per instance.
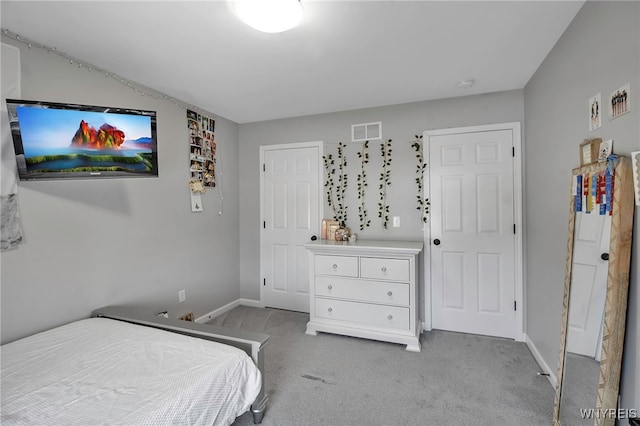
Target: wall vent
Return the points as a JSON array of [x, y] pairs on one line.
[[366, 131]]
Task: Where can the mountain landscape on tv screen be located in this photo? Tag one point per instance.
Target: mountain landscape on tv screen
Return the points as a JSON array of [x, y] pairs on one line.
[[96, 150], [144, 143], [106, 137]]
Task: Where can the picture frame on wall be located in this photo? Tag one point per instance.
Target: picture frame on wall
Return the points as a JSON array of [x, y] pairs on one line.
[[202, 148], [595, 113], [620, 102]]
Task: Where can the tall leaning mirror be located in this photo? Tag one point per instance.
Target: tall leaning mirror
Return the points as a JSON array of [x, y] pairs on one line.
[[595, 294]]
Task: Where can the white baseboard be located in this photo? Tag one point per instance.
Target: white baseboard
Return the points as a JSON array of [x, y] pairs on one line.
[[541, 362], [228, 307]]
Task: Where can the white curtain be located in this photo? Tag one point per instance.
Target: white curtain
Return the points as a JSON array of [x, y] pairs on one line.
[[10, 226]]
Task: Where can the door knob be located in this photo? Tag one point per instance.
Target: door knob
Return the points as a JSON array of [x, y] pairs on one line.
[[313, 238], [604, 256], [436, 242]]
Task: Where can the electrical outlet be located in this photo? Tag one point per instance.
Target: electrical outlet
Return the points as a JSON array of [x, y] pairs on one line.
[[182, 296], [396, 221]]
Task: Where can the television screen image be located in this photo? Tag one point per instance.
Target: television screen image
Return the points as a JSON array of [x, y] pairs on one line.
[[71, 141]]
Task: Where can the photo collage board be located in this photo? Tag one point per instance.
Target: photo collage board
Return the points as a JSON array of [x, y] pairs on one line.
[[202, 148]]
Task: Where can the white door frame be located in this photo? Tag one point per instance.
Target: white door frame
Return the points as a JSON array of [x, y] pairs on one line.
[[263, 148], [518, 165]]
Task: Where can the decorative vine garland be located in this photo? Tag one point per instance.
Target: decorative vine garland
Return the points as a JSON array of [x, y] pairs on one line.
[[423, 204], [335, 193], [341, 212], [362, 185], [385, 181], [329, 184]]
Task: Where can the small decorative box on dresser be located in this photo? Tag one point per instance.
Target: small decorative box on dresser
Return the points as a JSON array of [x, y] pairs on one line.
[[365, 289]]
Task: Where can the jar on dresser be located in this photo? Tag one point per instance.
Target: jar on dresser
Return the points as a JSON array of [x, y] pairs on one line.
[[366, 289]]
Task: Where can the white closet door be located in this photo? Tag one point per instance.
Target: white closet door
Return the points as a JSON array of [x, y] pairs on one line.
[[472, 232], [290, 217]]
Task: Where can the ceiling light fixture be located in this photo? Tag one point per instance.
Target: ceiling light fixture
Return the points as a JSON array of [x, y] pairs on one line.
[[269, 16]]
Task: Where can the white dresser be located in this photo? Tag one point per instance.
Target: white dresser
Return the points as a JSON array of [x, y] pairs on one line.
[[365, 289]]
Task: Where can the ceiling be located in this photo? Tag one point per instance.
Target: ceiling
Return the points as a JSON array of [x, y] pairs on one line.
[[345, 54]]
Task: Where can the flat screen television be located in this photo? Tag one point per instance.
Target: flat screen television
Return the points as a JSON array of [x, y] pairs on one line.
[[72, 141]]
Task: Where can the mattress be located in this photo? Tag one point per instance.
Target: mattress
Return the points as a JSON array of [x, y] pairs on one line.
[[103, 371]]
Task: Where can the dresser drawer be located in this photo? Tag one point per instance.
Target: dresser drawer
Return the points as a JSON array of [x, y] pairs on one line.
[[384, 269], [392, 317], [344, 266], [363, 290]]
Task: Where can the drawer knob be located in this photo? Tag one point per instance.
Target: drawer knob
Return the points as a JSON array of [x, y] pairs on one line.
[[330, 287], [334, 266], [390, 317], [383, 269], [389, 293], [330, 309]]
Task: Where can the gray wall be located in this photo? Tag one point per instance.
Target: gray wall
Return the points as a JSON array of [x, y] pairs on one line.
[[399, 123], [93, 243], [589, 58]]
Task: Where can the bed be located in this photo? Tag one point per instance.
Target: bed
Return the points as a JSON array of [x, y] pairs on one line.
[[122, 366]]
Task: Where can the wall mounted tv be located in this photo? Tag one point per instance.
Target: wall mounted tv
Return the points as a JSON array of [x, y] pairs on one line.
[[71, 141]]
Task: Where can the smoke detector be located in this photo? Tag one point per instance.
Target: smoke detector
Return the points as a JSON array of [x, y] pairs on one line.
[[466, 84]]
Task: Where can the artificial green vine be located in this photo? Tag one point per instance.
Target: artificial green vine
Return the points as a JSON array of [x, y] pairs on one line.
[[385, 181], [342, 186], [363, 155], [423, 204], [336, 193], [329, 184]]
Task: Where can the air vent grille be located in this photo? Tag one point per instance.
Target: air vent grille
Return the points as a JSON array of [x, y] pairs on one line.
[[366, 131]]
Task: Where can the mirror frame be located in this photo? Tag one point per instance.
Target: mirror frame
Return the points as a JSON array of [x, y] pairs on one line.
[[617, 292]]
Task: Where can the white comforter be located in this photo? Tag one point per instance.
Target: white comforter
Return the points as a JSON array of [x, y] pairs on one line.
[[102, 371]]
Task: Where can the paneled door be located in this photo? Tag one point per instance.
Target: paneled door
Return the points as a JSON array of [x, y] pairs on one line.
[[588, 283], [290, 182], [472, 232]]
